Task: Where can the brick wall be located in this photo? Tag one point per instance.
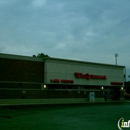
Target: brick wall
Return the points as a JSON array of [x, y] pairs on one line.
[[38, 94], [21, 70], [43, 94], [5, 85]]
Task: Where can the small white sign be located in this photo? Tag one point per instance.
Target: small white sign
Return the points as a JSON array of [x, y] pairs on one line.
[[92, 96]]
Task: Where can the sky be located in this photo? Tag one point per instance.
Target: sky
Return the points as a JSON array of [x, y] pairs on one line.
[[85, 30]]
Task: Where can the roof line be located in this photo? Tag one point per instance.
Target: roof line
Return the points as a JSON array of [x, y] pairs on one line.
[[29, 58]]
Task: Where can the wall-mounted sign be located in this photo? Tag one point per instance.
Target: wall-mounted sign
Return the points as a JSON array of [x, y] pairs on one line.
[[89, 76], [67, 81], [116, 83], [61, 81], [55, 80], [92, 96]]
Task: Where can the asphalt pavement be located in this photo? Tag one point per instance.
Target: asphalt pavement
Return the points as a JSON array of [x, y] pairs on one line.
[[64, 117]]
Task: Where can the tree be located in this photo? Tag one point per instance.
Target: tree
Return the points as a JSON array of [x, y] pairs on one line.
[[42, 55]]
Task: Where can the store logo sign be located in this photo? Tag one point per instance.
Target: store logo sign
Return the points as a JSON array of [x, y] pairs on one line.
[[89, 76], [123, 124]]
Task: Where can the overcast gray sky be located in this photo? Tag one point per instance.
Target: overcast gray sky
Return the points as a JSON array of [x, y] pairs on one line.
[[87, 30]]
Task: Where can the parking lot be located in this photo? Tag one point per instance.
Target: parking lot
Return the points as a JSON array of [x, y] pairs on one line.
[[64, 117]]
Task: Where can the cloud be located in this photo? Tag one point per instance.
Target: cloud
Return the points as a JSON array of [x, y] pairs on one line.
[[60, 46], [2, 49], [38, 3], [7, 2], [84, 30]]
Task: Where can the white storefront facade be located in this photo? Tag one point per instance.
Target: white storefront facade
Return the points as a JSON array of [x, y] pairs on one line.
[[104, 80]]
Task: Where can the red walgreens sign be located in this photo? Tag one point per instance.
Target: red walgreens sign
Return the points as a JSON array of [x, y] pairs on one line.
[[89, 76]]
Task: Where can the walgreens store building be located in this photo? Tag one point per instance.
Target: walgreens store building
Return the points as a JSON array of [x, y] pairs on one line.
[[53, 80]]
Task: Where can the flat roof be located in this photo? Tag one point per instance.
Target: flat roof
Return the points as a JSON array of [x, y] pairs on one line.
[[83, 62], [38, 59], [19, 57]]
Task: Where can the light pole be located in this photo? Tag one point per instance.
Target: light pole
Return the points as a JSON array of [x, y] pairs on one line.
[[116, 55]]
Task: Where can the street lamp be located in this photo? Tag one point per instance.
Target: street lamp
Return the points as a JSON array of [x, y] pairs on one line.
[[116, 55]]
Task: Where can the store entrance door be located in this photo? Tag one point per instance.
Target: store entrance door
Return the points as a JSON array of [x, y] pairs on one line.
[[116, 94]]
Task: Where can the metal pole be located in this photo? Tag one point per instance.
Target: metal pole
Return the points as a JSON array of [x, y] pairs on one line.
[[125, 73], [116, 55], [116, 60]]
